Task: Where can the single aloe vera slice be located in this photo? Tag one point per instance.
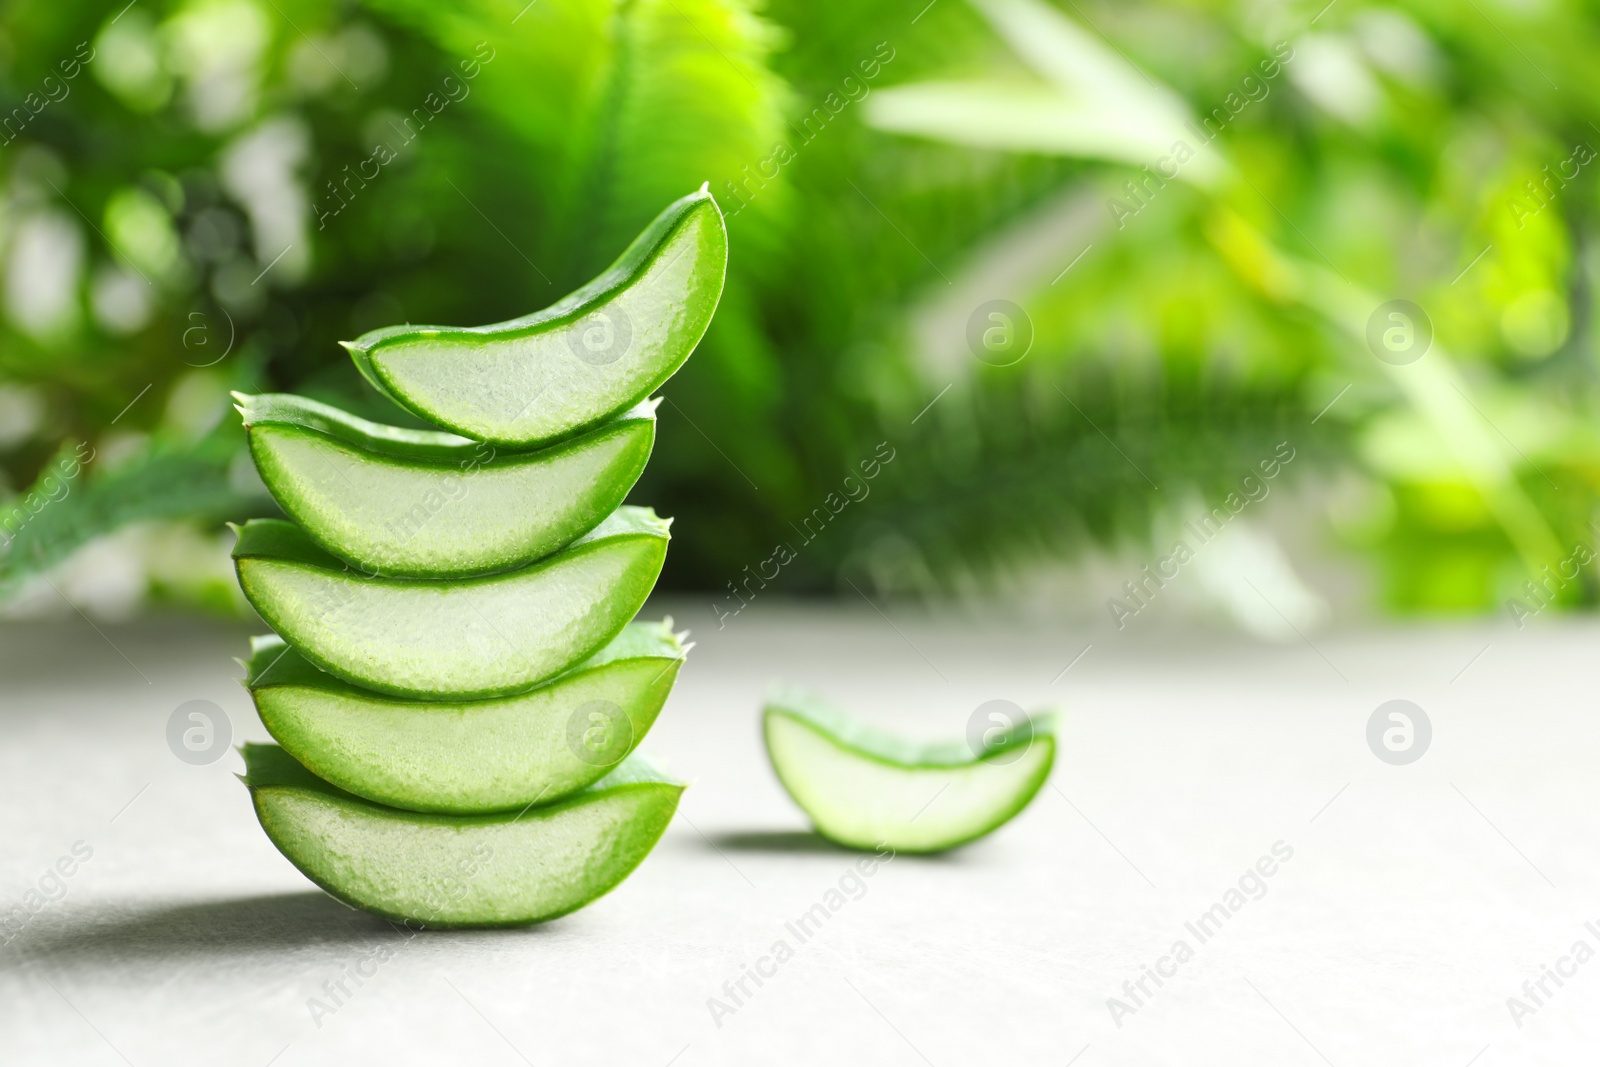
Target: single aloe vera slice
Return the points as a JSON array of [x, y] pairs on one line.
[[426, 504], [592, 354], [864, 788], [461, 870], [465, 638], [469, 757]]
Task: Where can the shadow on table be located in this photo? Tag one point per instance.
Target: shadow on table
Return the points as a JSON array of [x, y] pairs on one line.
[[788, 841], [266, 924], [804, 842]]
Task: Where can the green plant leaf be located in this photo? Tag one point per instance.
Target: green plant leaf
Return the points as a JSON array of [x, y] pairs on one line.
[[864, 787], [469, 757], [1096, 105], [464, 638], [71, 504], [596, 352], [418, 503], [509, 869]]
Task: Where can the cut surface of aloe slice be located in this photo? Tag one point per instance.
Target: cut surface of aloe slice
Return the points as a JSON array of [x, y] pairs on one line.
[[426, 504], [461, 870], [465, 638], [473, 756], [863, 787], [587, 357]]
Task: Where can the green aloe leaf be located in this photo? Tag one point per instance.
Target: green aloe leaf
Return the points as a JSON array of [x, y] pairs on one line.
[[863, 787], [594, 353], [425, 504], [476, 756], [466, 638], [509, 869]]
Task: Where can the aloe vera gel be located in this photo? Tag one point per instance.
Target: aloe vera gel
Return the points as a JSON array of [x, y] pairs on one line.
[[456, 683], [582, 360], [863, 787]]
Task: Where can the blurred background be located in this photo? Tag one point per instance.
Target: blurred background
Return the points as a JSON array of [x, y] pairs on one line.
[[1307, 290]]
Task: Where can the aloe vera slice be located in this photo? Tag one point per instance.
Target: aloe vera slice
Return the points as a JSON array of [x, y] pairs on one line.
[[434, 505], [471, 757], [467, 637], [594, 353], [863, 787], [509, 869]]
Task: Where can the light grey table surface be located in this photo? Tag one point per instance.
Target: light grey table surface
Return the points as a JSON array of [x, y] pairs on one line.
[[1418, 898]]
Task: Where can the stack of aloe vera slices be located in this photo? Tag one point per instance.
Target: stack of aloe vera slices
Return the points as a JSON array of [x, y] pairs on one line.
[[456, 684]]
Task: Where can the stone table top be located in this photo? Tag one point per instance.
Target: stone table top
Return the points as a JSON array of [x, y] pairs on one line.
[[1405, 908]]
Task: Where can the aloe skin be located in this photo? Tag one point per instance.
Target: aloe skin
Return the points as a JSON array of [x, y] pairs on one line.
[[505, 869], [455, 681], [468, 757], [421, 503], [580, 361], [864, 787]]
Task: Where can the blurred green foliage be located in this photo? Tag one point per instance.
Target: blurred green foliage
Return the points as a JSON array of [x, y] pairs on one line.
[[208, 194]]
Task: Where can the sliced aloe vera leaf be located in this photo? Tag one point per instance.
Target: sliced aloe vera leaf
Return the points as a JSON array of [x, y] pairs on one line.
[[475, 756], [426, 504], [592, 354], [864, 788], [509, 869], [465, 638]]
